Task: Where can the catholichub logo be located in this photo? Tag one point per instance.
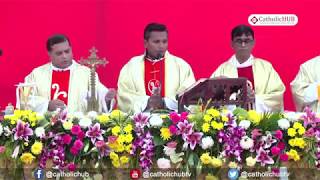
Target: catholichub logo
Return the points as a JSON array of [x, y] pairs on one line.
[[273, 19]]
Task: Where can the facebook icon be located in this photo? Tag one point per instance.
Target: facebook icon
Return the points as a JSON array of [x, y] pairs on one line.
[[39, 174]]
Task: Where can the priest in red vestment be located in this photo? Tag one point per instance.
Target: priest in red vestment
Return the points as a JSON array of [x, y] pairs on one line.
[[63, 83]]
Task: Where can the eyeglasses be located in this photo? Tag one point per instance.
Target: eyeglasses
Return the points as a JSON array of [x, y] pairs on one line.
[[239, 42]]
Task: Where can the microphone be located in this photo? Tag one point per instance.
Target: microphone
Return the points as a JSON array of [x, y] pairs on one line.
[[0, 52]]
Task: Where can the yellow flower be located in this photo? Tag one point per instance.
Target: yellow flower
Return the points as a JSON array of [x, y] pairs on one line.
[[129, 138], [254, 117], [115, 114], [67, 125], [120, 148], [216, 162], [116, 163], [128, 128], [164, 116], [27, 158], [103, 118], [165, 133], [121, 139], [291, 132], [301, 130], [36, 148], [205, 127], [217, 125], [293, 154], [251, 161], [233, 165], [300, 143], [207, 118], [115, 130], [128, 148], [292, 142], [224, 118], [124, 159], [113, 156], [297, 125], [213, 112], [205, 158], [26, 144]]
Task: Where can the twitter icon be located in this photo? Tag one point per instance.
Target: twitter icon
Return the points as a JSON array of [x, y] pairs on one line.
[[233, 174]]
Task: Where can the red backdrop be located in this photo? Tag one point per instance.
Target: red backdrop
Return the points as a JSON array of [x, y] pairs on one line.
[[199, 32]]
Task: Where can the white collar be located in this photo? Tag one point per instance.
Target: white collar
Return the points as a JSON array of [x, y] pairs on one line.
[[236, 63], [65, 69]]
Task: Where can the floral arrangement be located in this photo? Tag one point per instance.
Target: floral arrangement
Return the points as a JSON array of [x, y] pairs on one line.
[[202, 142]]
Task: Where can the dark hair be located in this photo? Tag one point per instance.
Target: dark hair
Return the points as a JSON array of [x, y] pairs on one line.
[[55, 39], [240, 30], [153, 27]]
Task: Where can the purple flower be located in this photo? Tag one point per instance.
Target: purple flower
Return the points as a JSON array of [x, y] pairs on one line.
[[103, 148], [263, 157], [95, 133], [310, 118], [185, 128], [193, 139], [22, 131]]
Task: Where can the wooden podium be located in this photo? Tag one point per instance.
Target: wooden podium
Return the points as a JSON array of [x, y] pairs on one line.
[[221, 91]]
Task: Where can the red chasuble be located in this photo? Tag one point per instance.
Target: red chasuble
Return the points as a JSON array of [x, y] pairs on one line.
[[247, 73], [154, 75], [60, 85]]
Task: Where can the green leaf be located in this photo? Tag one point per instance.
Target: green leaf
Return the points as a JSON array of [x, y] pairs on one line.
[[158, 141], [86, 147], [191, 160]]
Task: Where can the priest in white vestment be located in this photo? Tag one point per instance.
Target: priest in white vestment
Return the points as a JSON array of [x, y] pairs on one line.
[[267, 86], [305, 87], [63, 83], [152, 80]]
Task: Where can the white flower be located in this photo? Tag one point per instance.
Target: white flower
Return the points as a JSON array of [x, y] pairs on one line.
[[163, 163], [85, 122], [207, 142], [245, 124], [92, 115], [39, 131], [284, 124], [169, 150], [7, 131], [78, 115], [251, 161], [1, 129], [155, 121], [293, 116], [246, 142]]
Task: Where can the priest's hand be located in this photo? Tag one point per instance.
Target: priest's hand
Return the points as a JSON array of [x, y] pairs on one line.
[[54, 104], [250, 91], [110, 95]]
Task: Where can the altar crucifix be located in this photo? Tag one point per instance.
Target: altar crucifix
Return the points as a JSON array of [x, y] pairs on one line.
[[93, 62]]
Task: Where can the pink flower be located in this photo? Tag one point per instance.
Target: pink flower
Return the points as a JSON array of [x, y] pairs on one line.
[[175, 118], [173, 129], [81, 135], [74, 151], [2, 149], [72, 167], [76, 129], [275, 150], [22, 131], [255, 133], [78, 144], [100, 144], [278, 134], [284, 157], [95, 133], [281, 146], [66, 139], [112, 139], [172, 144]]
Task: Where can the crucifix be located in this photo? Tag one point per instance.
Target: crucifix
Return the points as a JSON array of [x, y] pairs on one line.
[[93, 62]]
